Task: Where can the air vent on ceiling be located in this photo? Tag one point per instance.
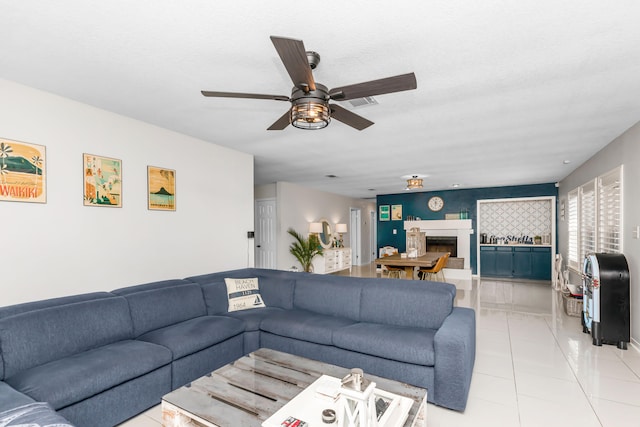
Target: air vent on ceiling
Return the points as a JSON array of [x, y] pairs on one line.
[[361, 102]]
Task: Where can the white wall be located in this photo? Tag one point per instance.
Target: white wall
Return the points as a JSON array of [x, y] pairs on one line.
[[62, 247], [624, 150], [297, 206]]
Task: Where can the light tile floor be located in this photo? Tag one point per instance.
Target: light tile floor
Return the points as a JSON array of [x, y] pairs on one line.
[[534, 366]]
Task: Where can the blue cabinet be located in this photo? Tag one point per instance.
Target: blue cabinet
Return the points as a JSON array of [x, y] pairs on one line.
[[488, 260], [541, 263], [522, 262], [521, 266], [503, 261]]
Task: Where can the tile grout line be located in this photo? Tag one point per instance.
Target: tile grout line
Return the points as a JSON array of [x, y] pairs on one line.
[[513, 368], [573, 371]]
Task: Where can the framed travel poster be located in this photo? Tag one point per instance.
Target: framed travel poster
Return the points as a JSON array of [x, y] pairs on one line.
[[396, 212], [23, 172], [161, 189], [102, 181], [384, 212]]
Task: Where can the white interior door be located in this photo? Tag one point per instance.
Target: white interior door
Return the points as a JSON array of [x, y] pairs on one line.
[[265, 238], [373, 235], [355, 239]]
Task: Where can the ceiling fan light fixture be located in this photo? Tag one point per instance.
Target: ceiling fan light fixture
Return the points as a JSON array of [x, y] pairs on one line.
[[310, 114]]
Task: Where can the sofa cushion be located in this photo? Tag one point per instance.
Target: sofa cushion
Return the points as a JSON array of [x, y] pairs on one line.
[[405, 344], [36, 337], [253, 318], [75, 378], [160, 304], [330, 295], [276, 291], [419, 304], [12, 398], [193, 335], [243, 294], [304, 325]]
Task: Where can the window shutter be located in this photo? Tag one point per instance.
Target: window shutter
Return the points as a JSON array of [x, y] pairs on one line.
[[609, 212], [587, 208], [572, 220]]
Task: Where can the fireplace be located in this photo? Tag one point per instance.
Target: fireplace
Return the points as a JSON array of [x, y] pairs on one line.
[[443, 244], [459, 266]]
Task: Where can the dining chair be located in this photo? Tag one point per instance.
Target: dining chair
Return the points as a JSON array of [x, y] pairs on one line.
[[436, 271], [395, 272]]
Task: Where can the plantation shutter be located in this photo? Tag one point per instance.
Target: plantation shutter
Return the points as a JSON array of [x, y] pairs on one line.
[[587, 206], [609, 212], [572, 219]]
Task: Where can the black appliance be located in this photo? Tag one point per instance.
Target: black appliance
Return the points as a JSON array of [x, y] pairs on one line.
[[605, 309]]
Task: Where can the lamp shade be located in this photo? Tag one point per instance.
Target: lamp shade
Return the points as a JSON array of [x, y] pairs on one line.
[[315, 227], [341, 228]]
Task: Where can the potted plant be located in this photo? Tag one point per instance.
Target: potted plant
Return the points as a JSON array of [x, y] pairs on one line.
[[304, 249]]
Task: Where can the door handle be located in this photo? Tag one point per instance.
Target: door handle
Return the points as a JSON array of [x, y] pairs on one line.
[[258, 246]]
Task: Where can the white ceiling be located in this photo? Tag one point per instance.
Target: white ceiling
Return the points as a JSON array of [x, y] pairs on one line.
[[507, 90]]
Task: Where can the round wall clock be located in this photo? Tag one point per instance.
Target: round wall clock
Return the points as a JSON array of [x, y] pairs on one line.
[[435, 203]]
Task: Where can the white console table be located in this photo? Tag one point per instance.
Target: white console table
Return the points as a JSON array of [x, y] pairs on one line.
[[332, 260]]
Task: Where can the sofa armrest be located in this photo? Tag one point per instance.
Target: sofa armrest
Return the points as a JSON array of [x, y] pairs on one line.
[[455, 353]]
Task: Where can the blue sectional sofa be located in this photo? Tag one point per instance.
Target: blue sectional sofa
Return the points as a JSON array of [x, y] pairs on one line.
[[101, 358]]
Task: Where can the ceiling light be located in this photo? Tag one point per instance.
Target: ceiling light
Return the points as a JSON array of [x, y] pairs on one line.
[[566, 162], [414, 182]]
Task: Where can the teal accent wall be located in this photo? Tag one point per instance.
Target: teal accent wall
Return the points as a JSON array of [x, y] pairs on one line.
[[415, 204]]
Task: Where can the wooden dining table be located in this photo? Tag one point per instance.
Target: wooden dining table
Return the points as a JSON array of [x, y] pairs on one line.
[[427, 260]]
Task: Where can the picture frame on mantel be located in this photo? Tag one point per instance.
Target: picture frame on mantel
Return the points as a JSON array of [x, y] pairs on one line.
[[396, 212], [161, 189], [102, 181], [23, 172], [384, 213]]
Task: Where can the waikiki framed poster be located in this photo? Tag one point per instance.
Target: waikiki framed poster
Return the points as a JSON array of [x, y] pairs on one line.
[[102, 181], [23, 172], [161, 189]]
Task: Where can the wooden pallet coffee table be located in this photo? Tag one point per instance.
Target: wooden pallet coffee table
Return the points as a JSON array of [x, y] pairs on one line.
[[249, 390]]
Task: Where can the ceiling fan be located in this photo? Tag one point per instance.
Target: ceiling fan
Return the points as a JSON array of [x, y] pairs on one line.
[[310, 108]]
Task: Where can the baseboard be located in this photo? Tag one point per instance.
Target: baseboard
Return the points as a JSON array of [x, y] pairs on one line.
[[457, 273]]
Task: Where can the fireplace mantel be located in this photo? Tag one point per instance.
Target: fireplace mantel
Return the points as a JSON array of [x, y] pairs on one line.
[[462, 228], [446, 224]]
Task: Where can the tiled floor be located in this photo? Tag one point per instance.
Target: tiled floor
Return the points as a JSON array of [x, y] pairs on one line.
[[534, 366]]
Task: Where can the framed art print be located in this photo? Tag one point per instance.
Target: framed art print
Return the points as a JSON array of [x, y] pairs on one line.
[[396, 212], [102, 181], [23, 172], [161, 189], [384, 212]]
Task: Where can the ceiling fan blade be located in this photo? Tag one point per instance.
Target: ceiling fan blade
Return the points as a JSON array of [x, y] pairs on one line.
[[282, 122], [375, 87], [294, 57], [348, 118], [243, 95]]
